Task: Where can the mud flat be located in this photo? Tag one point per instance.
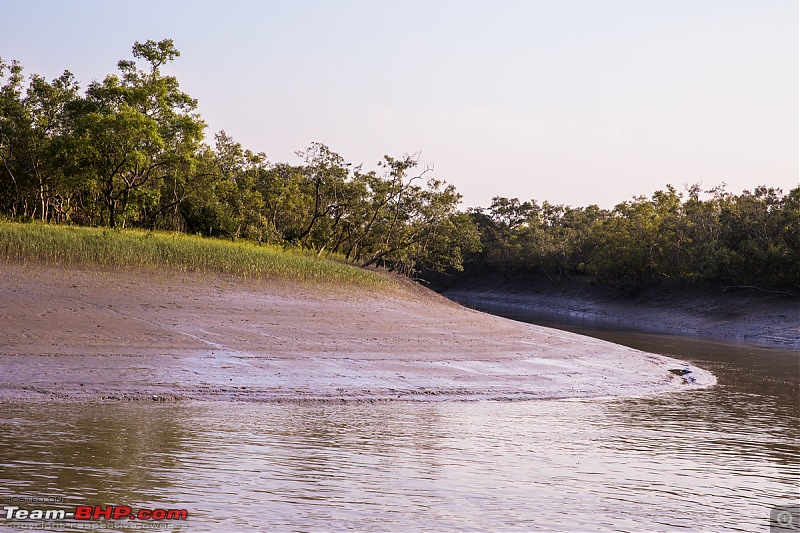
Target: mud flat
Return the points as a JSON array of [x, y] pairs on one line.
[[84, 334], [745, 315]]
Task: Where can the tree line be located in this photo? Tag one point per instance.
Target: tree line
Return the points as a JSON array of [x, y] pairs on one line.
[[751, 239], [130, 151]]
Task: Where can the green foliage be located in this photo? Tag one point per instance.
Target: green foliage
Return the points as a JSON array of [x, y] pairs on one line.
[[129, 152], [32, 151], [135, 132], [71, 246], [749, 239]]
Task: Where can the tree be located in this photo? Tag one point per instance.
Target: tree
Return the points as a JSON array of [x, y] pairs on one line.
[[325, 177], [135, 130], [440, 235], [394, 204], [32, 131], [12, 120]]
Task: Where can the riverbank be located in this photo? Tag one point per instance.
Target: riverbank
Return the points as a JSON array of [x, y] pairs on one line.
[[101, 334], [748, 315]]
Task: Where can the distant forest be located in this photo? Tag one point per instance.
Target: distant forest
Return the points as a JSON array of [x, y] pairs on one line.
[[129, 151]]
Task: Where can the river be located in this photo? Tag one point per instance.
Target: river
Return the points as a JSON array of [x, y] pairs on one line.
[[707, 460]]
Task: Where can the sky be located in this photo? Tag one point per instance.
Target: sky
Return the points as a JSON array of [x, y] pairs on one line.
[[572, 101]]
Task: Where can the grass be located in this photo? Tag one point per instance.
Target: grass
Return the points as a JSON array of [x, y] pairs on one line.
[[71, 246]]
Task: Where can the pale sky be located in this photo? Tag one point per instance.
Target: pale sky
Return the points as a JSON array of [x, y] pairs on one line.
[[571, 101]]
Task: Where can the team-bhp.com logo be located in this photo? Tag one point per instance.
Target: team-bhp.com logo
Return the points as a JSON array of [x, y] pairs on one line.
[[94, 512]]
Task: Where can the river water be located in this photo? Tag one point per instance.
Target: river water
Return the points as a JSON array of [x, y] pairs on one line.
[[708, 460]]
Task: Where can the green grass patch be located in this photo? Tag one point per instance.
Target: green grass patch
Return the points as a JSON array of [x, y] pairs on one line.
[[71, 246]]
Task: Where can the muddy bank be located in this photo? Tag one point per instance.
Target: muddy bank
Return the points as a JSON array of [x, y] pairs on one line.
[[93, 335], [745, 314]]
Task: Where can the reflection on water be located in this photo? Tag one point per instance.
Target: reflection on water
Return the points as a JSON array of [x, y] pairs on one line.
[[89, 453], [712, 460]]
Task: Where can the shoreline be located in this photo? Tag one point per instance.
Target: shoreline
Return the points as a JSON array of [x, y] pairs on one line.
[[101, 335], [742, 316]]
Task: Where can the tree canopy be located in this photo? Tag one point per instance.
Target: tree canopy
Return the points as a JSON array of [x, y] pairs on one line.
[[747, 239], [130, 151]]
